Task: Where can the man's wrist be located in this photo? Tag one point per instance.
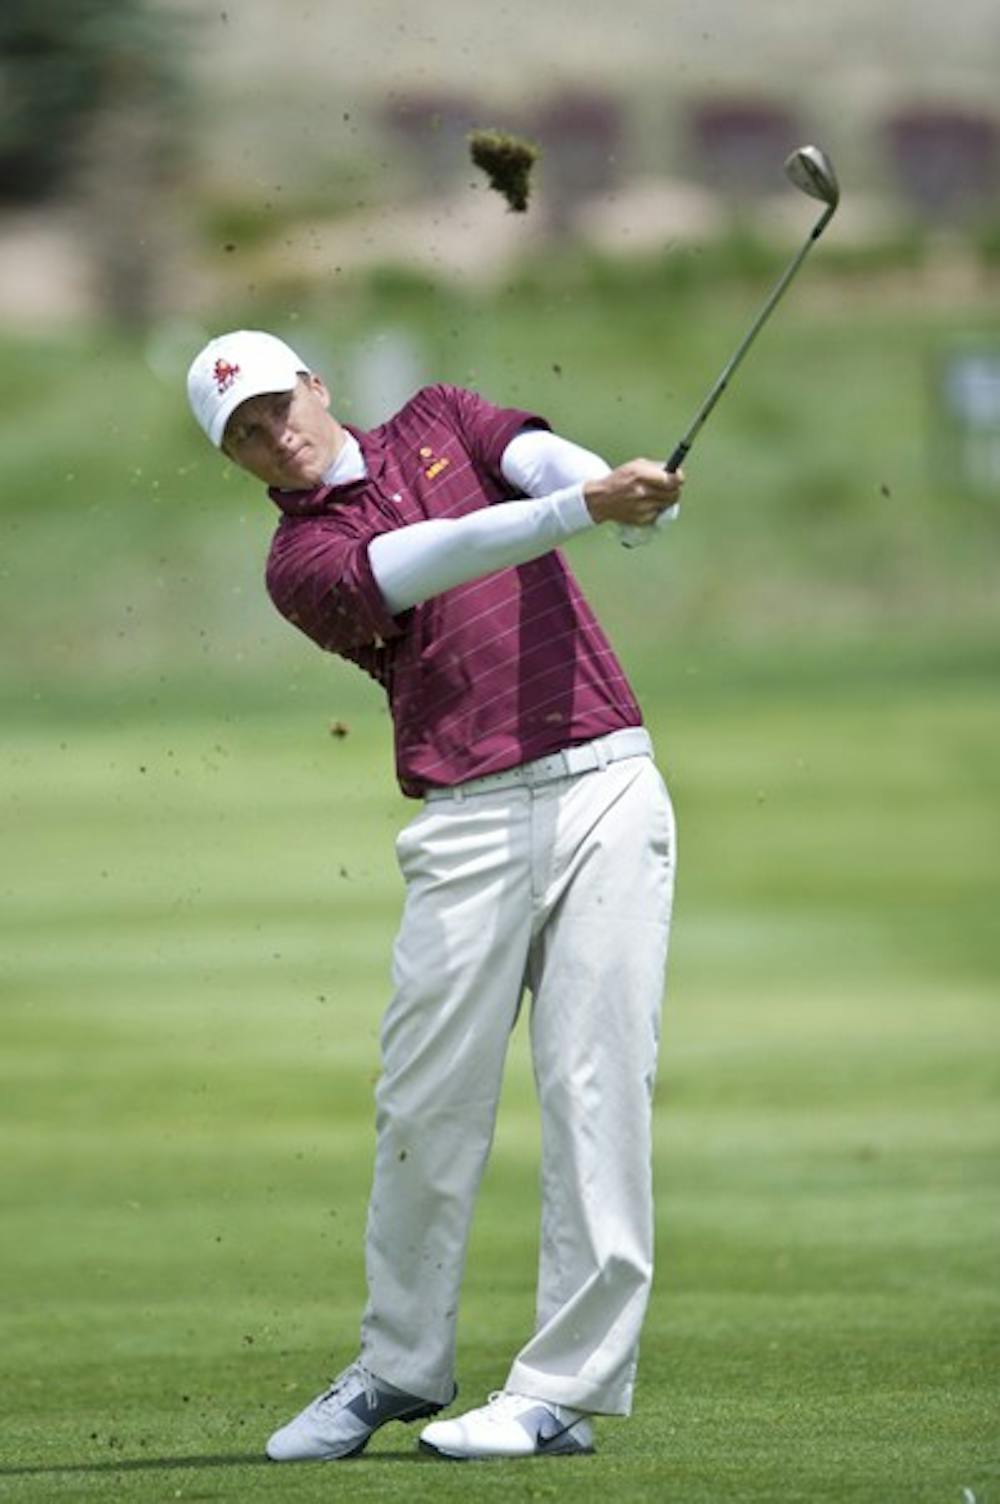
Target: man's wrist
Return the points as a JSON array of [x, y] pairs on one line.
[[594, 500], [571, 507]]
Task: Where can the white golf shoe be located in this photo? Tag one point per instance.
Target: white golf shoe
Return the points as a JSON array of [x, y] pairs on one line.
[[340, 1421], [511, 1425]]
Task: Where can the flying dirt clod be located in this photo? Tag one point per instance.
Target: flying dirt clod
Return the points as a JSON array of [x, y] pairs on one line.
[[507, 162]]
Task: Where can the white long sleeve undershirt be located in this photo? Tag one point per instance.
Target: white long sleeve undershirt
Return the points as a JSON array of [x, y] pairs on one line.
[[537, 462], [414, 563]]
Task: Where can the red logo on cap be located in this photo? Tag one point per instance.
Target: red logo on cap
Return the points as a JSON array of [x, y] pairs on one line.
[[225, 375]]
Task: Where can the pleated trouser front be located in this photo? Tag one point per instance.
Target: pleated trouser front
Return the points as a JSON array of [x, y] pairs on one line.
[[564, 889]]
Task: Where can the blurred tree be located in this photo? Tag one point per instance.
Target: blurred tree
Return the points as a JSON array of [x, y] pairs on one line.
[[89, 115], [54, 57]]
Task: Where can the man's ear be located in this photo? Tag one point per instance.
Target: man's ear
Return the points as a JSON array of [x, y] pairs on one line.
[[318, 385]]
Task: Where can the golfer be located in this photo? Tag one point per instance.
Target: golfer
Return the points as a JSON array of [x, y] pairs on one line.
[[540, 861]]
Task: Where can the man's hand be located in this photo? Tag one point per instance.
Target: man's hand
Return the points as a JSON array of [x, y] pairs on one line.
[[635, 494]]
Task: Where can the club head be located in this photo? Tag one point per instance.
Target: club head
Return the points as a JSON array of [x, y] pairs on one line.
[[811, 170]]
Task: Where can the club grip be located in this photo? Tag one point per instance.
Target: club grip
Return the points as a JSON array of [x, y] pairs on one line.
[[676, 460]]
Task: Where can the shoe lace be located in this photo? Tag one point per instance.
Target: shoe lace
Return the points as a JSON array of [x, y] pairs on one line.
[[355, 1379], [501, 1404]]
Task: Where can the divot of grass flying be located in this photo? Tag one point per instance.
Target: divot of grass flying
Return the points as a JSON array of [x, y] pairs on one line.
[[507, 161]]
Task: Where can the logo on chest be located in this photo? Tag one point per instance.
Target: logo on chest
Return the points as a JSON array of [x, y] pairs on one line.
[[433, 465]]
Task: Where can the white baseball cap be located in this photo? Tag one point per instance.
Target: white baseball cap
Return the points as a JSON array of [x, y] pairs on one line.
[[233, 367]]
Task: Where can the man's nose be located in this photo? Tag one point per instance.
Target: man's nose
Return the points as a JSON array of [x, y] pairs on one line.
[[279, 431]]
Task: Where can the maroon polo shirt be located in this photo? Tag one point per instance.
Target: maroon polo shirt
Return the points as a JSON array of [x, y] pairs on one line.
[[483, 676]]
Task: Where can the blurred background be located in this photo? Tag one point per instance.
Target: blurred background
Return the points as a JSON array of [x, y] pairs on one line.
[[168, 170], [197, 807]]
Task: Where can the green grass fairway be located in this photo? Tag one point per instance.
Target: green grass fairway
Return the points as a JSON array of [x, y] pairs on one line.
[[198, 910]]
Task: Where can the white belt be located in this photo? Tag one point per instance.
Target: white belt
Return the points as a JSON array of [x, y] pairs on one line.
[[584, 758]]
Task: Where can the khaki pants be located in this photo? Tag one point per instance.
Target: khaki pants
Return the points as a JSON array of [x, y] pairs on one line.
[[564, 887]]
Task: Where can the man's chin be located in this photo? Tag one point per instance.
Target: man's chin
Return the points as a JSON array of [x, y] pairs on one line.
[[301, 478]]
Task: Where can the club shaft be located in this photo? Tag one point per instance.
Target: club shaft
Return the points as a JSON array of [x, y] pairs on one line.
[[676, 459]]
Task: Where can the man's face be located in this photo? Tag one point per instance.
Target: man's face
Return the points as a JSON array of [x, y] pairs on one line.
[[286, 439]]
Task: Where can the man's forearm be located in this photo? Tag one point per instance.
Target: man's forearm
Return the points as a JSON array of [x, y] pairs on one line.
[[414, 563]]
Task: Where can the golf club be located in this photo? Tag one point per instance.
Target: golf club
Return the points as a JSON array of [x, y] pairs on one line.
[[811, 170]]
